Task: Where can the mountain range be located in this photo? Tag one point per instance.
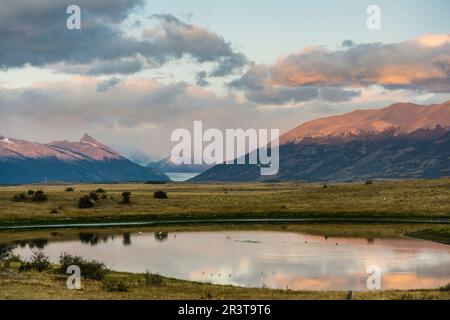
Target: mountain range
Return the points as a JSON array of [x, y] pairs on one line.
[[401, 141], [85, 161]]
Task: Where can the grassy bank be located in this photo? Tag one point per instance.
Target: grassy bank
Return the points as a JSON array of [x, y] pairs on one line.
[[428, 199], [437, 234], [49, 285]]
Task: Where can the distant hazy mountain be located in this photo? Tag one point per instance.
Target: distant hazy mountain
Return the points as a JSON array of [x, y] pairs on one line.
[[400, 141], [166, 165], [63, 161]]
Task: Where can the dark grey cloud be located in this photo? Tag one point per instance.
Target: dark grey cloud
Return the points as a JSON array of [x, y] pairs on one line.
[[201, 79], [337, 94], [122, 66], [176, 38], [35, 33], [348, 43], [108, 84]]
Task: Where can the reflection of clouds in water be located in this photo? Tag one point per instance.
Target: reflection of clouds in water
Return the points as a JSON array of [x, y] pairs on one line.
[[273, 259]]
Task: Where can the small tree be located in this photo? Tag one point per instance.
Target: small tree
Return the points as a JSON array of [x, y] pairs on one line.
[[93, 196], [126, 197], [39, 262], [39, 196], [86, 202], [6, 251], [160, 195]]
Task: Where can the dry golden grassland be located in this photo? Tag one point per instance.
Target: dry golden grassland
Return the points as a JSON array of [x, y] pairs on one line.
[[425, 199], [49, 285]]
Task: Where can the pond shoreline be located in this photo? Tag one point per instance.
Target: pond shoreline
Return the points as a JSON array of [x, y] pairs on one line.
[[161, 222]]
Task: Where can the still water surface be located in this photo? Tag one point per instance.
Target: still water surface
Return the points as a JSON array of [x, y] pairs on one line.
[[270, 259], [181, 176]]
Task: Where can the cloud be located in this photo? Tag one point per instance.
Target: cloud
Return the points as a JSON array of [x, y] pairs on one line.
[[422, 64], [108, 84], [176, 38], [201, 79], [113, 102], [258, 88], [317, 73], [35, 33]]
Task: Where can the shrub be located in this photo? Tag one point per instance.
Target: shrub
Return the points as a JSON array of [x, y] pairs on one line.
[[6, 251], [100, 190], [114, 285], [126, 197], [70, 189], [93, 196], [368, 182], [93, 270], [39, 196], [30, 192], [86, 202], [445, 288], [54, 211], [160, 195], [20, 197], [153, 280], [39, 262]]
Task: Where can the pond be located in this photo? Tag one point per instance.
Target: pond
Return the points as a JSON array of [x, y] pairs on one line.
[[273, 259]]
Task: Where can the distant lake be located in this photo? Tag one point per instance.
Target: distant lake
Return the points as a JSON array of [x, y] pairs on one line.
[[181, 176], [264, 258]]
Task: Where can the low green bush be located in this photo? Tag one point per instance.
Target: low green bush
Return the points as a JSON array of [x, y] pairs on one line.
[[86, 202], [160, 195], [39, 196], [38, 262], [153, 280], [126, 197], [93, 270]]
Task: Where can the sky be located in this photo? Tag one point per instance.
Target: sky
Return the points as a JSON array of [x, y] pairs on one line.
[[137, 69]]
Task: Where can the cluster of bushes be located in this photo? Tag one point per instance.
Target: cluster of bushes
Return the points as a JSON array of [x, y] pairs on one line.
[[38, 262], [86, 202], [89, 201], [93, 270], [35, 196], [160, 195], [70, 189]]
